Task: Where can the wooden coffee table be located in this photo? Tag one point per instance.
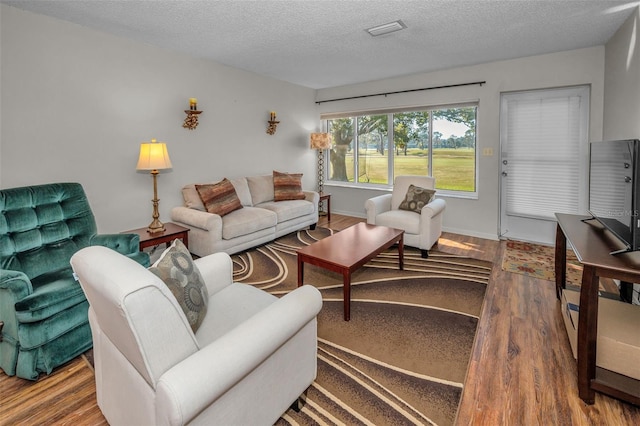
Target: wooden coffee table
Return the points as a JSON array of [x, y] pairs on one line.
[[346, 251]]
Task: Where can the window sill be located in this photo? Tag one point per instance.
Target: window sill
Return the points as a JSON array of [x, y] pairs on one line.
[[387, 188]]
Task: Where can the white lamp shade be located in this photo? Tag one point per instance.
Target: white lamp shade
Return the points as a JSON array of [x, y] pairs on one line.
[[320, 141], [153, 156]]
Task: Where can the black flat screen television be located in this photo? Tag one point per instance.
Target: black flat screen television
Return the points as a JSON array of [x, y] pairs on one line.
[[614, 189]]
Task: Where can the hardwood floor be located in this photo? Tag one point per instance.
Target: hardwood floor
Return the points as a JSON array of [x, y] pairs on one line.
[[522, 371]]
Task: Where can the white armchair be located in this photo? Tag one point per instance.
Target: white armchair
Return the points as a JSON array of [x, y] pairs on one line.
[[423, 229], [248, 362]]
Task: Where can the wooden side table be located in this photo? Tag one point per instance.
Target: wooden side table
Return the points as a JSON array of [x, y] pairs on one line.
[[327, 198], [172, 231]]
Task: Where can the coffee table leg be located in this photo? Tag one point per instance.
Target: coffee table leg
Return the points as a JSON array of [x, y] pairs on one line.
[[300, 271], [401, 251], [346, 286]]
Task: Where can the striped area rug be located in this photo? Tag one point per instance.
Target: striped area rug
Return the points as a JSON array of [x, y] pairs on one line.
[[402, 359]]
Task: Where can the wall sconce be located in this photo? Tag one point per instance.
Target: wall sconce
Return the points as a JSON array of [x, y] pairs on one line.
[[271, 128], [191, 122]]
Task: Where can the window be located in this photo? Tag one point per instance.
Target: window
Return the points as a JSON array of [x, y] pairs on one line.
[[373, 149]]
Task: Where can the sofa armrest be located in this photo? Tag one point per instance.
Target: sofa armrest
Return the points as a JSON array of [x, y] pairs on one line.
[[216, 270], [376, 205], [312, 196], [434, 208], [195, 383], [198, 219]]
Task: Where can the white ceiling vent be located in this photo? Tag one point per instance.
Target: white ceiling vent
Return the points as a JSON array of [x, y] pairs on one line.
[[386, 28]]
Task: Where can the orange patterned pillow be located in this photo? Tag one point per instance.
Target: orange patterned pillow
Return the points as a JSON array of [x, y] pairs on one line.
[[287, 186], [219, 198]]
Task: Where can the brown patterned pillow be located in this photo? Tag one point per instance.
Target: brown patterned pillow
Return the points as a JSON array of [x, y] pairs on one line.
[[176, 269], [416, 198], [287, 186], [219, 198]]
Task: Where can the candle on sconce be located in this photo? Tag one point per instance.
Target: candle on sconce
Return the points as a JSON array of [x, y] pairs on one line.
[[273, 116], [193, 104]]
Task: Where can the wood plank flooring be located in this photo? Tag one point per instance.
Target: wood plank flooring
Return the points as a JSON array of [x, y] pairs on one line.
[[521, 372]]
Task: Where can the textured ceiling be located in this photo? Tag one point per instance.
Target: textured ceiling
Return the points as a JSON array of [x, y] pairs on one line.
[[323, 43]]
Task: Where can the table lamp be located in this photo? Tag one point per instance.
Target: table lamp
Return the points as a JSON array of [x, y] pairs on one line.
[[154, 157]]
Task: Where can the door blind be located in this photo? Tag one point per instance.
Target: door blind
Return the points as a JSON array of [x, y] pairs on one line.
[[544, 155]]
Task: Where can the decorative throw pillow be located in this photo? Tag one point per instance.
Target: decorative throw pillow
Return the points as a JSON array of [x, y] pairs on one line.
[[287, 186], [176, 268], [219, 198], [416, 198]]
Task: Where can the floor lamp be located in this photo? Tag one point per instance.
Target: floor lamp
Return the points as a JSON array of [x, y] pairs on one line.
[[320, 142], [154, 157]]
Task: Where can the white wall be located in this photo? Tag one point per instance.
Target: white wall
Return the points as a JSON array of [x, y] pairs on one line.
[[76, 104], [622, 82], [477, 217]]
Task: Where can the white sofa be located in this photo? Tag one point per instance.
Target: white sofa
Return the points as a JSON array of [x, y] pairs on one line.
[[259, 221], [252, 356]]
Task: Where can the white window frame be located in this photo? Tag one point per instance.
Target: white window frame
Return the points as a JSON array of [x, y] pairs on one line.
[[391, 152]]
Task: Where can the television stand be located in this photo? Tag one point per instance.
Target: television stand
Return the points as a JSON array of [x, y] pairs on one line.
[[592, 246]]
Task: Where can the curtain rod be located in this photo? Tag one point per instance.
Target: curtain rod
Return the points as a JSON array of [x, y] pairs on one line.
[[403, 91]]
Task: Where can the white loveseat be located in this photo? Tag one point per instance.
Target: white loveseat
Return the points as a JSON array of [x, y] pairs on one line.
[[260, 220]]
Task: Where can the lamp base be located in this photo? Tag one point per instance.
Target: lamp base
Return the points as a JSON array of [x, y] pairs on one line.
[[155, 227]]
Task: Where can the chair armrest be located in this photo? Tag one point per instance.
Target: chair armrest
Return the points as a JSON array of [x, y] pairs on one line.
[[14, 286], [122, 243], [434, 208], [376, 205], [195, 383], [198, 219], [16, 282], [126, 244], [216, 270]]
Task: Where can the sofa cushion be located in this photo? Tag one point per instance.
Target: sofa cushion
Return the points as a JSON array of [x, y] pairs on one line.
[[261, 188], [287, 186], [246, 221], [192, 198], [176, 269], [219, 198], [416, 198], [242, 189], [290, 209]]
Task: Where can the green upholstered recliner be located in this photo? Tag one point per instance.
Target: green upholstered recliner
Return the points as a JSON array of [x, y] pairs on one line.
[[43, 309]]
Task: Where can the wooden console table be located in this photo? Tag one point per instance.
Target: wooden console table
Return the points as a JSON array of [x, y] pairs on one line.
[[592, 245]]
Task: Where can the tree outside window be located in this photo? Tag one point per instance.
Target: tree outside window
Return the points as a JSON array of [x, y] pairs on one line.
[[430, 142]]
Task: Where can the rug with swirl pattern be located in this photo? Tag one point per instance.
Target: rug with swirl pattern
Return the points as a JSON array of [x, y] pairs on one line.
[[403, 356]]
